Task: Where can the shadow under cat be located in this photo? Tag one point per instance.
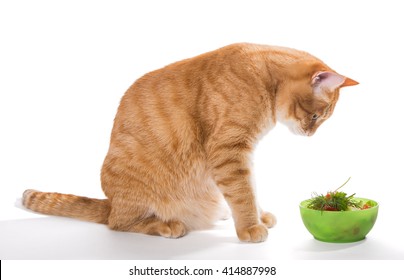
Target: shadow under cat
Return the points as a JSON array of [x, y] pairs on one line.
[[64, 238]]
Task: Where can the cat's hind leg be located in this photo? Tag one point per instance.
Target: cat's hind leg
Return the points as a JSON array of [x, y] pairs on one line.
[[133, 219]]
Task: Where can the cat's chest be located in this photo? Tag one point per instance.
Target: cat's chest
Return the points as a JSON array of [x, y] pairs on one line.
[[267, 123], [265, 129]]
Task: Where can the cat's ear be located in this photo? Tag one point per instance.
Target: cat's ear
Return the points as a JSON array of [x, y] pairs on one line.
[[330, 81]]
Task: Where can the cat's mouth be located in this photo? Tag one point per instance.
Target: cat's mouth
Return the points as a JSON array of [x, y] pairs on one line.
[[297, 130], [309, 133]]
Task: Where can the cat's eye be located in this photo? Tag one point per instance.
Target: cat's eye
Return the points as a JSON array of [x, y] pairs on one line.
[[314, 117]]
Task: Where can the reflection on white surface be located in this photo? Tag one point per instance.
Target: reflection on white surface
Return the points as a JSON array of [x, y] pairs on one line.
[[62, 238]]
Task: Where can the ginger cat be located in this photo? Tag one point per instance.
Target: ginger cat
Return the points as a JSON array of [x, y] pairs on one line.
[[183, 136]]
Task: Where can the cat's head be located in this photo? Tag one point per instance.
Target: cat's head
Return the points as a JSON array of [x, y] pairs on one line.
[[307, 102]]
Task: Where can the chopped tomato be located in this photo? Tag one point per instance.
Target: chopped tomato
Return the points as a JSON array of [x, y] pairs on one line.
[[329, 208]]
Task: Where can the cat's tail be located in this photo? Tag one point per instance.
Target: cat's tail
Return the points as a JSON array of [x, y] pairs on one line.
[[67, 205]]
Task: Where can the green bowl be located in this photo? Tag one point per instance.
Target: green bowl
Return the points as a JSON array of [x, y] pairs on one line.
[[339, 226]]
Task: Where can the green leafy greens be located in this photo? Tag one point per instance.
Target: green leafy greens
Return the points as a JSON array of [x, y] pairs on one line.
[[334, 201]]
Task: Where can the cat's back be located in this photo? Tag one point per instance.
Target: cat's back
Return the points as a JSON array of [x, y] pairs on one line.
[[189, 71], [179, 84], [177, 88]]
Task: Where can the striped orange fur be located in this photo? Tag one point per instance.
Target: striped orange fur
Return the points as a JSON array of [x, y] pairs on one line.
[[183, 135]]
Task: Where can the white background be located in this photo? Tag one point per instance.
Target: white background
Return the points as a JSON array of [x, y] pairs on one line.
[[64, 66]]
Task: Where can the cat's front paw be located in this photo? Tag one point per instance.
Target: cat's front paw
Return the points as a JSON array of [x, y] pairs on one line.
[[255, 233], [268, 219]]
